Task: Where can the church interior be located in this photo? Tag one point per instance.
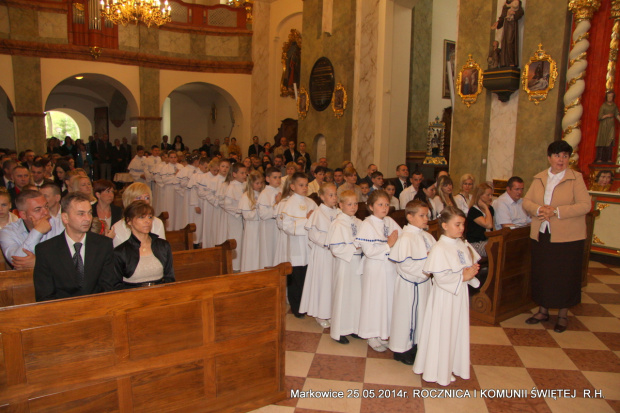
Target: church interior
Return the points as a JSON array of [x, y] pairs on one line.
[[384, 82]]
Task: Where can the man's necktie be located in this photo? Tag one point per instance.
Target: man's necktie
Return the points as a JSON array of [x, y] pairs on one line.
[[79, 264], [10, 185]]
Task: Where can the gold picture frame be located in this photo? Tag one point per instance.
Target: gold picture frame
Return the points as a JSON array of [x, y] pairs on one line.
[[469, 82], [539, 76], [339, 100], [303, 102]]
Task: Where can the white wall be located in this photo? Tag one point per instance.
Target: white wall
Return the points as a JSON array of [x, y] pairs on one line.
[[445, 26]]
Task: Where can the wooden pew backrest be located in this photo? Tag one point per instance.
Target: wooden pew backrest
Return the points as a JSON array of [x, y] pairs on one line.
[[16, 287], [183, 239], [205, 262], [506, 291], [215, 344]]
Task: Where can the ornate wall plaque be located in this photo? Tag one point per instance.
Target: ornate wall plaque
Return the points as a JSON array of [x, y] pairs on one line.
[[469, 82], [303, 103], [539, 76], [339, 102], [321, 84]]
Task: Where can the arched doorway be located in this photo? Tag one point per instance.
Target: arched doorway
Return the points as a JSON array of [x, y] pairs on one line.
[[98, 103], [199, 110], [7, 128]]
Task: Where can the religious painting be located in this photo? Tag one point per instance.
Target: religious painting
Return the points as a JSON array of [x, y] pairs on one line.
[[449, 53], [539, 76], [303, 103], [291, 64], [435, 143], [339, 101], [469, 82]]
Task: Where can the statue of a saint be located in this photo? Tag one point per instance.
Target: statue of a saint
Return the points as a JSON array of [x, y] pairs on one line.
[[512, 12], [607, 115], [494, 55]]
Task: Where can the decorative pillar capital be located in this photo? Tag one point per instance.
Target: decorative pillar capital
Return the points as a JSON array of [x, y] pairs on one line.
[[584, 9]]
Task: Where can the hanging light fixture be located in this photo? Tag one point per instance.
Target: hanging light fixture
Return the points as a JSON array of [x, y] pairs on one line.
[[150, 12]]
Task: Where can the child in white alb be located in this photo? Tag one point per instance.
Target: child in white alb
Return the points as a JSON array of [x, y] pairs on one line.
[[443, 349], [377, 235], [234, 192], [412, 285], [266, 203], [295, 214], [316, 299], [250, 244], [347, 281]]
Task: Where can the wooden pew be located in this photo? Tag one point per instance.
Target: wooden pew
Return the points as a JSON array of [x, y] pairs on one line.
[[506, 291], [205, 262], [362, 210], [214, 344], [16, 287], [400, 217], [183, 239]]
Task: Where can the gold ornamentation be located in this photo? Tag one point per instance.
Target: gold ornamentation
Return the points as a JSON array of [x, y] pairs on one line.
[[303, 102], [583, 9], [78, 6], [149, 12], [95, 52], [613, 46], [435, 143], [294, 38], [597, 240], [339, 100], [469, 82], [600, 207], [539, 76]]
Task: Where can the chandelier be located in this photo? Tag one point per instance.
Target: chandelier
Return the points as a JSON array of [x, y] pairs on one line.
[[150, 12]]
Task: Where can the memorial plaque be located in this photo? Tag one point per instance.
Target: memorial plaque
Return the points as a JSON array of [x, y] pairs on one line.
[[321, 84]]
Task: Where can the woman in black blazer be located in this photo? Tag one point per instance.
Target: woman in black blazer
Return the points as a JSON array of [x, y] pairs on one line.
[[104, 209], [144, 259]]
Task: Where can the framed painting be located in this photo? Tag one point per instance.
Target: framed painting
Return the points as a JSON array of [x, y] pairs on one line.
[[539, 75], [469, 82]]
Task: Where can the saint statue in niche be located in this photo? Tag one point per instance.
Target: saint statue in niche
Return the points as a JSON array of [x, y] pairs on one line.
[[291, 64], [607, 115], [512, 12]]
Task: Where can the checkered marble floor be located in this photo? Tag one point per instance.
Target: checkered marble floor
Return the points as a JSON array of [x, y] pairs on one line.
[[506, 357]]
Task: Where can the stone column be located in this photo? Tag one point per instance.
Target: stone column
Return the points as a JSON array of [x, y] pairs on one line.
[[538, 125], [470, 126], [260, 72], [29, 119], [149, 121]]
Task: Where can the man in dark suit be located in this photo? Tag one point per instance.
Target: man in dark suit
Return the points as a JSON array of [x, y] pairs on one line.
[[7, 176], [38, 174], [117, 157], [372, 168], [165, 146], [402, 179], [76, 262], [291, 154], [255, 147], [21, 178]]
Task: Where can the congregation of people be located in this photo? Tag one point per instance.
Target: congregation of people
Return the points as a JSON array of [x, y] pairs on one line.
[[363, 279]]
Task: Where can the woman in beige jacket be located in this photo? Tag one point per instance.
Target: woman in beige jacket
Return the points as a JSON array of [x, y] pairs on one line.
[[557, 201]]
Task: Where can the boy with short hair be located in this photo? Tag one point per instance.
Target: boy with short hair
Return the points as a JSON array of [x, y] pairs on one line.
[[377, 181], [365, 188], [295, 214]]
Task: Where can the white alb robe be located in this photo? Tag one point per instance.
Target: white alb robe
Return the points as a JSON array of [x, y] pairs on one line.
[[268, 230], [250, 245], [208, 196], [379, 277], [280, 253], [411, 289], [347, 279], [294, 218], [194, 202], [235, 219], [443, 348], [171, 184], [181, 202], [316, 299], [220, 216], [138, 167]]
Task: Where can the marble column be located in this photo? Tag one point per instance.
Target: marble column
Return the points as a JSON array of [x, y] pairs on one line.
[[260, 72], [419, 84], [539, 125], [470, 126], [149, 121], [338, 49], [29, 119]]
